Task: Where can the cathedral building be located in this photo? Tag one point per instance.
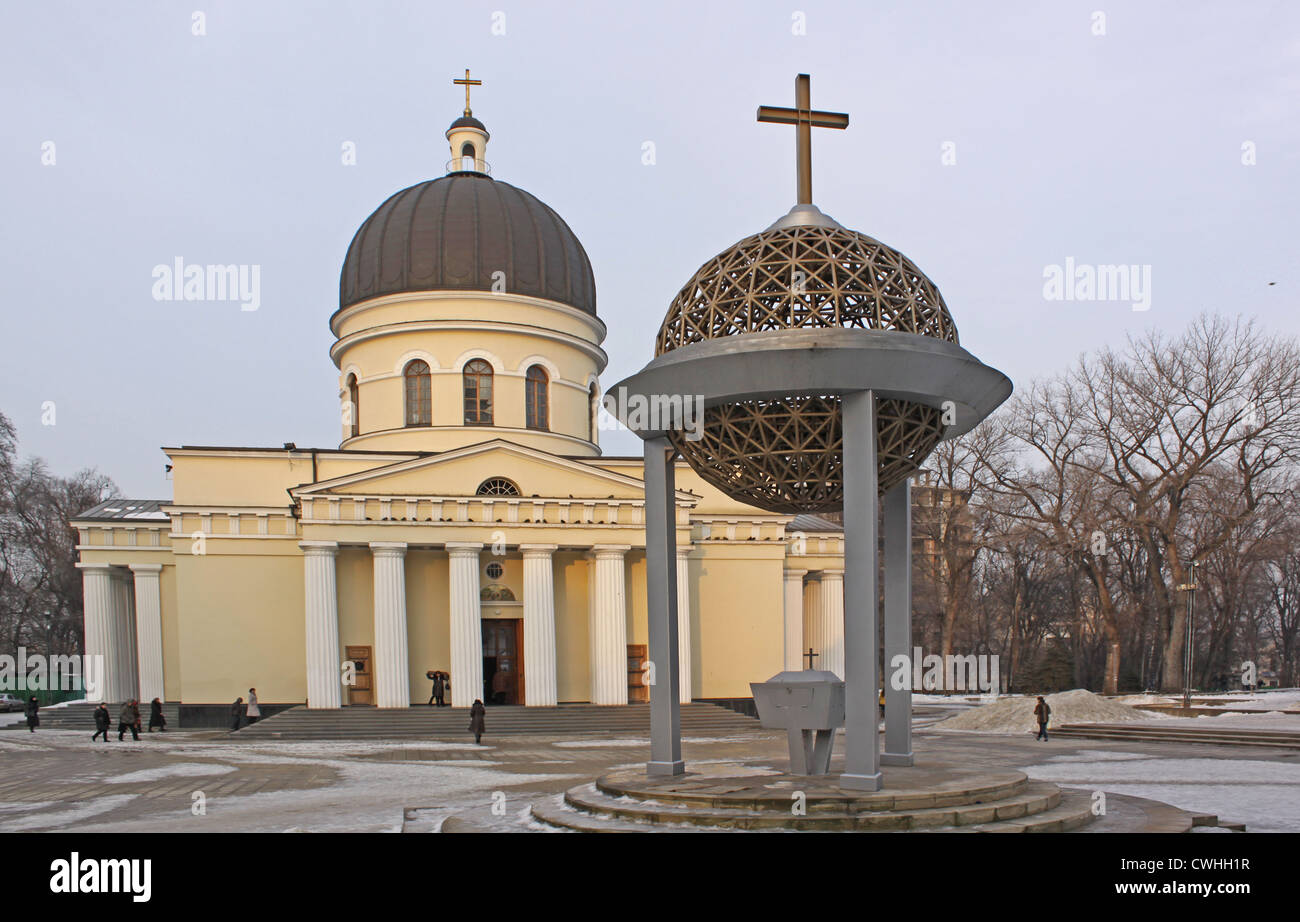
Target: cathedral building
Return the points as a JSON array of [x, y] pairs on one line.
[[466, 522]]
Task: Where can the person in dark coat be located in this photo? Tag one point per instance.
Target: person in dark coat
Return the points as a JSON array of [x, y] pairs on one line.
[[102, 721], [33, 714], [439, 690], [1042, 710], [156, 718], [476, 727], [129, 719], [236, 712]]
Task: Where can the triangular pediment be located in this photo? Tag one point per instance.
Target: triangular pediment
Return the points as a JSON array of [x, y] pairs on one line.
[[460, 471]]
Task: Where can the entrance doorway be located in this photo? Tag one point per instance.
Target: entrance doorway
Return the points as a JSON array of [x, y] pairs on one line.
[[503, 661], [361, 690]]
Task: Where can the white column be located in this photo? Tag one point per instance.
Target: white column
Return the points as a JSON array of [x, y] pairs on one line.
[[466, 629], [101, 639], [832, 618], [812, 622], [128, 684], [540, 682], [793, 607], [684, 624], [392, 666], [320, 584], [609, 627], [148, 629]]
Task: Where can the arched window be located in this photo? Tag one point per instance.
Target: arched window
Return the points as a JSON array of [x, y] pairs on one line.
[[538, 414], [497, 486], [591, 413], [478, 393], [467, 156], [353, 418], [419, 402]]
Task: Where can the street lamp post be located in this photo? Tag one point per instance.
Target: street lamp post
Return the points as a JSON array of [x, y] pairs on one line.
[[1190, 589]]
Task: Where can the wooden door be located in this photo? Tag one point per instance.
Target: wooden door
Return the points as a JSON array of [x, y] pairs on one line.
[[362, 689], [637, 689], [503, 661]]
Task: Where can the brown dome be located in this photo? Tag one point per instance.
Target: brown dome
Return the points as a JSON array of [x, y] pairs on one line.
[[454, 233]]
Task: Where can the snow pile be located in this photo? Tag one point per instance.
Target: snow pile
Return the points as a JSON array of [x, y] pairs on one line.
[[1016, 715]]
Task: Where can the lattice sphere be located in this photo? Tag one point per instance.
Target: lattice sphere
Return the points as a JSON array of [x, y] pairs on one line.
[[786, 455]]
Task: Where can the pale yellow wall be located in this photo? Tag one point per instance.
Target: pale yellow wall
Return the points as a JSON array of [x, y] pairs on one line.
[[428, 627], [741, 620], [572, 631], [355, 571], [638, 630], [241, 625], [378, 339]]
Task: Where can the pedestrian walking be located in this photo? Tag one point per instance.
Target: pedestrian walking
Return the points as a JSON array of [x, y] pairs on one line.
[[476, 726], [253, 710], [102, 721], [156, 718], [1042, 710], [236, 712], [129, 719], [33, 714]]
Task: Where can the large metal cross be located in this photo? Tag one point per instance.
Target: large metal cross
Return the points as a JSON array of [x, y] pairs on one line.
[[805, 118], [467, 83]]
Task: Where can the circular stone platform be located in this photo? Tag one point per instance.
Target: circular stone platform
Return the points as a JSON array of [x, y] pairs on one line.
[[929, 796]]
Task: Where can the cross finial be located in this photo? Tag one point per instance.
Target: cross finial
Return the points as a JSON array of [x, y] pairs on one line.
[[809, 656], [804, 118], [467, 83]]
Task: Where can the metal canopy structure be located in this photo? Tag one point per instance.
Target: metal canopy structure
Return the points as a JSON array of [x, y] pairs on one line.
[[828, 368]]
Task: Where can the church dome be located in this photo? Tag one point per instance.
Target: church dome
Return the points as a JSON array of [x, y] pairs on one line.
[[456, 232]]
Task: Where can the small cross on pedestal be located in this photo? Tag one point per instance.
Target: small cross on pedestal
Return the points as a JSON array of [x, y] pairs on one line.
[[805, 118], [809, 656], [467, 83]]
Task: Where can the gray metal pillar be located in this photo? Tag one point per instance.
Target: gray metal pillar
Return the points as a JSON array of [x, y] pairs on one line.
[[898, 623], [661, 608], [861, 601]]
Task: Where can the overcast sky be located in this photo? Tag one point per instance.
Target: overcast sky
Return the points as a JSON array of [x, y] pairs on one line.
[[1119, 148]]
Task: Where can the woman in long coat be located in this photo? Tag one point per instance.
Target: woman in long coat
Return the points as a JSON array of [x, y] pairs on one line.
[[33, 716], [476, 713], [102, 722], [156, 718]]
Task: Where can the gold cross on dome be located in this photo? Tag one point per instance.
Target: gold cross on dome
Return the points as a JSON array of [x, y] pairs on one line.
[[804, 118], [467, 83]]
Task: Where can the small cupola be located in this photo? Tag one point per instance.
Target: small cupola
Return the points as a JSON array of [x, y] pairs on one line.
[[468, 137]]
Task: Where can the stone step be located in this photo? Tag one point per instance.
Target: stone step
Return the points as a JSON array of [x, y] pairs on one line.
[[1072, 811], [1036, 797], [1225, 736], [921, 786], [81, 716], [423, 722]]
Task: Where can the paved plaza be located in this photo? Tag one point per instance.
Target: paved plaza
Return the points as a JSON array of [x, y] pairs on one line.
[[58, 780]]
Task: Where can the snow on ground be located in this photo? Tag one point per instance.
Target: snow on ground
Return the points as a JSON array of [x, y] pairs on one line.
[[1259, 793], [77, 814], [174, 770], [1263, 720], [602, 744], [1016, 714]]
